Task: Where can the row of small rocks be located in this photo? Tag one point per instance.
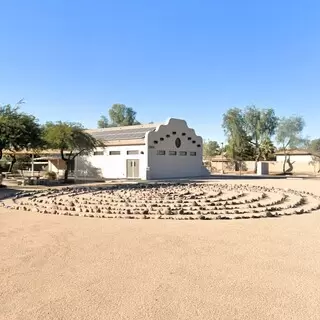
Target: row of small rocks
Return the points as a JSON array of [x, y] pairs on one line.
[[169, 201]]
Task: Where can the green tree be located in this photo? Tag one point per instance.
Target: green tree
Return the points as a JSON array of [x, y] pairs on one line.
[[121, 115], [103, 122], [313, 147], [260, 126], [211, 148], [289, 135], [242, 152], [18, 131], [251, 126], [234, 127], [71, 139], [267, 149]]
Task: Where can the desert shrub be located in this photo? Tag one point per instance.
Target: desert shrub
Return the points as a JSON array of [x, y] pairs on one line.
[[22, 163], [51, 175], [4, 166]]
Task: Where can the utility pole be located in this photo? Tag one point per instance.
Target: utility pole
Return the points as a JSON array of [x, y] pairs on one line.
[[221, 157]]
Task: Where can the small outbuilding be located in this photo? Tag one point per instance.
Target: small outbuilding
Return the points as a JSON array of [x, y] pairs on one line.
[[297, 155], [151, 151]]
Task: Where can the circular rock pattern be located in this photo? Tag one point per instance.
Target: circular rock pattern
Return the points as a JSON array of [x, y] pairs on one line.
[[168, 201]]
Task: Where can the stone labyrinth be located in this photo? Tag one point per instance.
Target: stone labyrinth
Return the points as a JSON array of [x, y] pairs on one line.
[[167, 201]]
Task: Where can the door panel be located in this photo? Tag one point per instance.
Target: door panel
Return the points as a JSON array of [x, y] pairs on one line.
[[129, 169], [136, 168], [132, 168]]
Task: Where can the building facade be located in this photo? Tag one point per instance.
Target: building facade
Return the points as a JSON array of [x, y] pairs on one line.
[[299, 156], [168, 150]]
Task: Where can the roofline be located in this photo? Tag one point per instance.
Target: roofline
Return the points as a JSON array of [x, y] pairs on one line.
[[114, 143], [24, 152], [293, 152], [137, 126]]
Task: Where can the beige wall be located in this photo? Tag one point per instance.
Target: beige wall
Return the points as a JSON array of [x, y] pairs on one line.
[[298, 167], [274, 167], [174, 166], [301, 158], [58, 166]]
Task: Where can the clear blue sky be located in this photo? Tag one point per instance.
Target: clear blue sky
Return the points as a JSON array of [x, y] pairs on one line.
[[71, 60]]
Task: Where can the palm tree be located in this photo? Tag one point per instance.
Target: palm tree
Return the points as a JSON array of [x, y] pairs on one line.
[[267, 148]]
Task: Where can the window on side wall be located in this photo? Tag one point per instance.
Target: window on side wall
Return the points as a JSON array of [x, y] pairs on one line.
[[98, 153], [182, 153], [193, 153], [161, 152], [133, 152], [114, 153], [172, 153]]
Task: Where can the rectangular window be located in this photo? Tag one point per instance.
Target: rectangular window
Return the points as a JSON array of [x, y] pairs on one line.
[[172, 153], [193, 153], [133, 152], [114, 153], [161, 152], [151, 147], [182, 153], [98, 153]]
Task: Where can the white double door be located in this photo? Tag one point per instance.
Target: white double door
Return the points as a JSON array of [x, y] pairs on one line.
[[132, 168]]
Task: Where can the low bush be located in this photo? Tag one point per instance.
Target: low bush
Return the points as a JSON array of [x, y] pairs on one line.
[[51, 175]]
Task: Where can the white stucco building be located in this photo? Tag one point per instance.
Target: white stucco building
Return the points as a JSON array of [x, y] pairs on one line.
[[168, 150]]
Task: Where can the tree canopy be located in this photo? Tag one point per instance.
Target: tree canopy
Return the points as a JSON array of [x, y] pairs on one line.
[[234, 128], [103, 122], [267, 149], [211, 148], [249, 129], [119, 115], [18, 131], [289, 135], [313, 146], [260, 127], [289, 132], [71, 139]]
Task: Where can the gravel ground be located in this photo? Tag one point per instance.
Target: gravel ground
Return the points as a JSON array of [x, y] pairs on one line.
[[62, 267]]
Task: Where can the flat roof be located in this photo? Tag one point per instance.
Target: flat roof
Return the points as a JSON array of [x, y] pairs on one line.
[[293, 152], [22, 152]]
